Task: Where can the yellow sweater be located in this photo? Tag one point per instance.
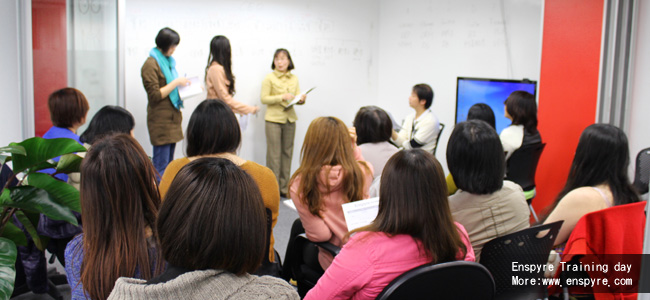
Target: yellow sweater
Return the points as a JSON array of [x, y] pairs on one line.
[[274, 85], [263, 176]]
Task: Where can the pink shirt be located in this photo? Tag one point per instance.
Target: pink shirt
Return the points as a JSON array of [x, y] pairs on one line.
[[370, 261], [331, 227]]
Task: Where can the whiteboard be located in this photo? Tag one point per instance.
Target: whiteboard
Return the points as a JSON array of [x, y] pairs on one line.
[[357, 53]]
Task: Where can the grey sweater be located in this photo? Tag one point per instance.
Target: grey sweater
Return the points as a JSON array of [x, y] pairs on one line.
[[207, 284]]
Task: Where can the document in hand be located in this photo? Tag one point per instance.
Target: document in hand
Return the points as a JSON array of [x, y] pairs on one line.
[[360, 213], [297, 98], [193, 89]]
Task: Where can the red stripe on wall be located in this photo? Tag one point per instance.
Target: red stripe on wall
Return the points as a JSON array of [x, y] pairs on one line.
[[50, 56], [568, 91]]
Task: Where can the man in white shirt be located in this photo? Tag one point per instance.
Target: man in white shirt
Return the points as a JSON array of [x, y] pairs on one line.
[[420, 129]]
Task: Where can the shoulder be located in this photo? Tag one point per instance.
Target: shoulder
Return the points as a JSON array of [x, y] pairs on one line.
[[216, 68], [150, 62], [512, 130], [74, 246], [257, 171], [270, 76], [176, 164], [581, 196], [267, 287]]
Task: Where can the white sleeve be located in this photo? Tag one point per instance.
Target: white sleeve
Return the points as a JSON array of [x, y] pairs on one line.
[[511, 139], [426, 132]]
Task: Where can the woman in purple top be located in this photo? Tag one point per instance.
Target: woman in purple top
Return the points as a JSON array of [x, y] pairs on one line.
[[119, 204], [413, 227]]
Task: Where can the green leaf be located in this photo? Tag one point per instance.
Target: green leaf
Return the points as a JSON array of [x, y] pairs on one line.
[[13, 148], [61, 192], [38, 200], [14, 233], [4, 196], [69, 163], [31, 229], [8, 255], [4, 159], [40, 150]]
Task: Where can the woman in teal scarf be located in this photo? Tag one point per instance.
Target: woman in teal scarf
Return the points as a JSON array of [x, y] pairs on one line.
[[161, 82]]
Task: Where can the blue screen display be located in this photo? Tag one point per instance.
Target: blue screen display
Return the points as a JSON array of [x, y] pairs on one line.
[[492, 92]]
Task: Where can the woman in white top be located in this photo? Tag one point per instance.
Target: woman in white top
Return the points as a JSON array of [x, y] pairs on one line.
[[597, 179], [521, 109]]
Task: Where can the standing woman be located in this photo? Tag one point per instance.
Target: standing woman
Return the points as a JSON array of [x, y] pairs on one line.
[[161, 80], [219, 78], [278, 89]]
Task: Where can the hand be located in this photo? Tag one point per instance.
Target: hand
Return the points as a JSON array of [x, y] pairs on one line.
[[288, 97], [182, 81], [302, 99], [257, 108], [353, 134]]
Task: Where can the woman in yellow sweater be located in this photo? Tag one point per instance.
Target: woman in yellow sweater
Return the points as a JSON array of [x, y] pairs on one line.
[[279, 88], [213, 131]]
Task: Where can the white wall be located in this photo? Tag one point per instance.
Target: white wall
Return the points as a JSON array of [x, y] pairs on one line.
[[10, 102], [435, 42], [370, 53], [640, 100]]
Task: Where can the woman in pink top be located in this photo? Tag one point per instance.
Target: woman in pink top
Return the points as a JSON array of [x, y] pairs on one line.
[[413, 227], [332, 172], [219, 80]]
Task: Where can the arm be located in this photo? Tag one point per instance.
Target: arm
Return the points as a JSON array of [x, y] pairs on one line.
[[315, 227], [170, 173], [350, 271], [155, 93], [266, 96], [217, 76], [571, 208]]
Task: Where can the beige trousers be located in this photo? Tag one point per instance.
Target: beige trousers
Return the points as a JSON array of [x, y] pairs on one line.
[[279, 151]]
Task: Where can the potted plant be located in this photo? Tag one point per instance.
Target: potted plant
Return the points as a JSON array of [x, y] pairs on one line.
[[29, 193]]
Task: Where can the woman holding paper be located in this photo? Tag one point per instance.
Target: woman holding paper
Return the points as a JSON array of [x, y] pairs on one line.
[[161, 82], [279, 88], [219, 79], [332, 172]]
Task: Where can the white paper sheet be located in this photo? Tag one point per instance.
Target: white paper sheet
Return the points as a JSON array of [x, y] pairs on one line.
[[191, 90], [297, 98], [360, 213]]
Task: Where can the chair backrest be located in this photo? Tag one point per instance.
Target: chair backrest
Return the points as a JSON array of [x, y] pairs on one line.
[[442, 127], [522, 165], [267, 267], [642, 171], [450, 280], [526, 247]]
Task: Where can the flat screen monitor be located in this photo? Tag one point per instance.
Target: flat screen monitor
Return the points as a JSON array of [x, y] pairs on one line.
[[492, 92]]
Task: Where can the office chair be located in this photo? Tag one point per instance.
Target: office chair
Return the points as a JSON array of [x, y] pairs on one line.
[[642, 171], [521, 168], [450, 280], [526, 247], [442, 127], [268, 267]]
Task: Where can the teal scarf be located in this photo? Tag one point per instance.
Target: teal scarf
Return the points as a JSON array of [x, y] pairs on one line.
[[168, 68]]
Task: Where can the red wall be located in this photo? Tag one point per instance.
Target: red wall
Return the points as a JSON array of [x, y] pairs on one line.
[[50, 56], [568, 91]]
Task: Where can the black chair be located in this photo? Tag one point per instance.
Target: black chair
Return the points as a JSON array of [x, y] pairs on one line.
[[442, 127], [268, 267], [450, 280], [301, 259], [525, 247], [642, 171], [521, 168]]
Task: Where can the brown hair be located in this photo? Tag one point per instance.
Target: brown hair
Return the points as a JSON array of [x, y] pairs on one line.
[[68, 107], [213, 217], [327, 143], [119, 201], [413, 200]]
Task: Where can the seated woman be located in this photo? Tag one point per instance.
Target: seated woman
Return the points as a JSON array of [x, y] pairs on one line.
[[478, 111], [485, 204], [119, 204], [110, 119], [331, 172], [414, 226], [211, 242], [597, 178], [374, 129], [521, 109], [213, 131]]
